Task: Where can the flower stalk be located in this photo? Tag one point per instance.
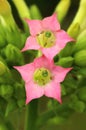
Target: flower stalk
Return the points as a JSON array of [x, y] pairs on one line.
[[31, 115]]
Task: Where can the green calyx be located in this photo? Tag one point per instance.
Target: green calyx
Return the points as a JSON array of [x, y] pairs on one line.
[[42, 76], [46, 39]]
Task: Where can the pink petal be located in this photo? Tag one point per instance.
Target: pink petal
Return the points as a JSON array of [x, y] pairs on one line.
[[51, 23], [31, 44], [50, 52], [59, 73], [62, 38], [35, 26], [33, 91], [53, 90], [43, 62], [26, 71]]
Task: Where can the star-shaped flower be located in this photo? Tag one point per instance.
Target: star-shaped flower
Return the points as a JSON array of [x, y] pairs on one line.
[[46, 36], [42, 77]]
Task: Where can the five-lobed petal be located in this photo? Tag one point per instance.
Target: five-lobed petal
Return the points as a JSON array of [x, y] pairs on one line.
[[37, 30], [52, 88]]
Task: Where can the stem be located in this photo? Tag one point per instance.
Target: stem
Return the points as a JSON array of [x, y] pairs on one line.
[[31, 115]]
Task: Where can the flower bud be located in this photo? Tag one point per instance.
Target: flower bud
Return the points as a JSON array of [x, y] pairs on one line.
[[2, 36], [69, 83], [80, 58], [65, 62], [81, 42], [60, 9], [22, 8], [67, 50], [6, 17], [35, 13], [2, 68], [82, 94], [6, 91], [13, 55], [78, 106], [74, 30]]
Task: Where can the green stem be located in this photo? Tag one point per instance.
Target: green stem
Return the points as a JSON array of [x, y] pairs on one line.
[[31, 115]]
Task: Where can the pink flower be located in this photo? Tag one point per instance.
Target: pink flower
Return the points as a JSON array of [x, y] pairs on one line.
[[46, 36], [42, 77]]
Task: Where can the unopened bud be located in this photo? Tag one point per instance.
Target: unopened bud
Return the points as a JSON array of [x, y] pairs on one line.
[[82, 94], [74, 30], [35, 12], [6, 91], [2, 68], [80, 58], [60, 9], [13, 55], [81, 42], [65, 62]]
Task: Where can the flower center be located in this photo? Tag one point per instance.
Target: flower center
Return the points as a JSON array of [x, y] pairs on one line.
[[46, 39], [42, 76]]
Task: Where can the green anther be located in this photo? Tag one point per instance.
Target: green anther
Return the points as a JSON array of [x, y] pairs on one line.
[[46, 39], [48, 34], [42, 76]]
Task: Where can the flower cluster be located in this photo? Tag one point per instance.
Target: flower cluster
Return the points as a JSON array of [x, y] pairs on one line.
[[42, 76]]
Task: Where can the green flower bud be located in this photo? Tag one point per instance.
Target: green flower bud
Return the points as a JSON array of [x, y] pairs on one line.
[[6, 91], [15, 38], [81, 42], [60, 9], [11, 106], [69, 83], [13, 55], [82, 94], [78, 106], [3, 68], [82, 71], [65, 62], [80, 58], [35, 12], [74, 30], [5, 74], [67, 50], [79, 18], [22, 8], [6, 17], [2, 36]]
